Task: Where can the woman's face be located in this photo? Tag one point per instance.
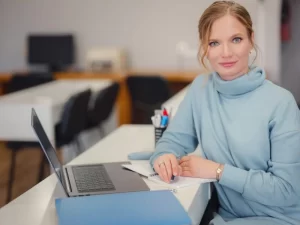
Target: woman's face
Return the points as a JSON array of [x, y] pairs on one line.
[[229, 48]]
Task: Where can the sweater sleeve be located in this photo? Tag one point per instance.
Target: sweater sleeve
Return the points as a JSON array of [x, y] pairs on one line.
[[180, 137], [279, 185]]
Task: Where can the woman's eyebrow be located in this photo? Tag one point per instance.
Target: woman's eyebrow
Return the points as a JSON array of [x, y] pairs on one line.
[[232, 36], [212, 39], [237, 34]]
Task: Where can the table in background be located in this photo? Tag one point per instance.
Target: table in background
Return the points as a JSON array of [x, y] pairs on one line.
[[4, 79], [176, 79], [47, 99]]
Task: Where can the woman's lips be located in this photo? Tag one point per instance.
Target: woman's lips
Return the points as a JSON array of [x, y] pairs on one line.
[[228, 64]]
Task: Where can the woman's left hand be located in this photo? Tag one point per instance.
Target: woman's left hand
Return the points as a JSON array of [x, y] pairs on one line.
[[195, 166]]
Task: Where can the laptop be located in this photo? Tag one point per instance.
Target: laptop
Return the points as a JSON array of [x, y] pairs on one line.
[[89, 179]]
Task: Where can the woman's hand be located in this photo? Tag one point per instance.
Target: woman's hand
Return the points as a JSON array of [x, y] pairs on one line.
[[167, 165], [195, 166]]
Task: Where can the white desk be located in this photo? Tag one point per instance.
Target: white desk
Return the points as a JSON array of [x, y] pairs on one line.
[[36, 206], [48, 100]]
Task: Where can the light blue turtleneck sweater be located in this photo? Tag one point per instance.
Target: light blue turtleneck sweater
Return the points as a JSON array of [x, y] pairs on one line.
[[252, 127]]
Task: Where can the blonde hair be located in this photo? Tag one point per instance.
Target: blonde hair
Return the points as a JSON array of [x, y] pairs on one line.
[[215, 11]]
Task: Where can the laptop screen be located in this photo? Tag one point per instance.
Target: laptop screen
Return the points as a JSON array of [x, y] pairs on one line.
[[47, 147]]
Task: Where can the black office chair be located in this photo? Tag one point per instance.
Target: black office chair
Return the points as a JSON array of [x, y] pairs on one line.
[[147, 94], [102, 107], [73, 121], [17, 83]]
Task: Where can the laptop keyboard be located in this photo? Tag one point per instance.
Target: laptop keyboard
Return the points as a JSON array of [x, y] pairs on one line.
[[92, 178]]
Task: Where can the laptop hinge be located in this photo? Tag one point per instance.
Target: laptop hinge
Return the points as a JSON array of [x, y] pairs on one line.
[[67, 181]]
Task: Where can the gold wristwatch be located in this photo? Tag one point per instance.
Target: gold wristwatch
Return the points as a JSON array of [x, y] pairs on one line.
[[219, 171]]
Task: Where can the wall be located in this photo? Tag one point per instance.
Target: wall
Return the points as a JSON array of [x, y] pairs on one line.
[[291, 55], [268, 38], [149, 30]]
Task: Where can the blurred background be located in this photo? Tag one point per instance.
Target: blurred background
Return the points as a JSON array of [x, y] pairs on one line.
[[125, 58]]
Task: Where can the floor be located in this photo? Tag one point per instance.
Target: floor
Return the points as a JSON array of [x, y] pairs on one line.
[[26, 173]]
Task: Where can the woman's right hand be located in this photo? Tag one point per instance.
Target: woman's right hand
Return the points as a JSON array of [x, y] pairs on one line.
[[167, 165]]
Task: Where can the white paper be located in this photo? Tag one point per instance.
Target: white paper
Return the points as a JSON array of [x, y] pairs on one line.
[[179, 182]]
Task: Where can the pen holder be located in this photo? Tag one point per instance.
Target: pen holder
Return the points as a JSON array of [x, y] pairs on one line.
[[158, 132]]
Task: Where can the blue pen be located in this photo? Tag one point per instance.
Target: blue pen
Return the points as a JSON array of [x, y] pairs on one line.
[[164, 121]]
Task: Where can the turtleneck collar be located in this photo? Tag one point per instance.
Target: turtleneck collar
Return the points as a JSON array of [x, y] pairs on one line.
[[241, 85]]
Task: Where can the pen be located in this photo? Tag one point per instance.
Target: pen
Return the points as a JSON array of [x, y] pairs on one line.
[[157, 120], [153, 174], [173, 177], [164, 121], [156, 174], [165, 112]]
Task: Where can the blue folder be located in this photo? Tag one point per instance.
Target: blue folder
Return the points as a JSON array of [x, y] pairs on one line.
[[134, 208]]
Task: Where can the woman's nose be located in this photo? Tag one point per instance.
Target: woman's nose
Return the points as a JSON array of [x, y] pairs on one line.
[[227, 51]]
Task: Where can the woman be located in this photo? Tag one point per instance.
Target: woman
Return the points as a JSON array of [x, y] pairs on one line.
[[248, 128]]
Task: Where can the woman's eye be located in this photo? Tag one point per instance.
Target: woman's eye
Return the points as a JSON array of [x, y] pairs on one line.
[[213, 44], [237, 40]]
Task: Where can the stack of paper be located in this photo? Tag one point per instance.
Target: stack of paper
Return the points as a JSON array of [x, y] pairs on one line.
[[179, 182]]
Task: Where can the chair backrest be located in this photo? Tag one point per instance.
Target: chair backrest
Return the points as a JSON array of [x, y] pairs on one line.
[[147, 93], [103, 104], [74, 115], [20, 81], [149, 90]]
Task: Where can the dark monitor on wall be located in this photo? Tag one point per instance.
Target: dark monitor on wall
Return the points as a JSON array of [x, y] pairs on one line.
[[54, 51]]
